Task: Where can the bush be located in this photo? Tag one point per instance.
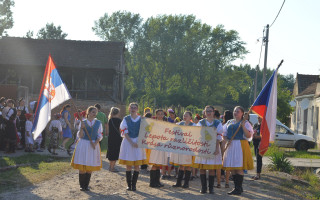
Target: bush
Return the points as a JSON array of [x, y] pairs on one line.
[[279, 162]]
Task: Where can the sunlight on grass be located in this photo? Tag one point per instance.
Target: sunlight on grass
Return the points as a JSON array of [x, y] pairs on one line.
[[35, 173]]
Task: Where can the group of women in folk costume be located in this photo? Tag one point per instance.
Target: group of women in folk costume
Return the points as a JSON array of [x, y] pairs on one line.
[[237, 155], [236, 158]]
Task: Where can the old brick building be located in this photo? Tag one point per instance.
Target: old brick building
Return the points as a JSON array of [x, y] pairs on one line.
[[92, 70]]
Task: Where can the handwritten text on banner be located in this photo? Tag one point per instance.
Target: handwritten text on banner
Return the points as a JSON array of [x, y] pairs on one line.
[[164, 136]]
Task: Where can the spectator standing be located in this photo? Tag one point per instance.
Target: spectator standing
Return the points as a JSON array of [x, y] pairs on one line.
[[102, 118], [66, 128], [22, 118], [28, 134], [2, 124], [10, 114], [114, 138], [256, 144], [55, 130]]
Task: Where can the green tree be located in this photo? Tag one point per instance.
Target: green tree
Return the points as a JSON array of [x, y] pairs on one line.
[[51, 32], [29, 34], [6, 19], [284, 97], [176, 59], [119, 26]]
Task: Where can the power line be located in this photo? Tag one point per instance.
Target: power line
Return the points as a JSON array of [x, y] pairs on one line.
[[278, 13]]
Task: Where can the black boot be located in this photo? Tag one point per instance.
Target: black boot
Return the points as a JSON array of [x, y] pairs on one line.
[[240, 177], [128, 175], [134, 180], [157, 178], [236, 190], [82, 180], [153, 177], [179, 179], [187, 175], [211, 183], [88, 177], [203, 179]]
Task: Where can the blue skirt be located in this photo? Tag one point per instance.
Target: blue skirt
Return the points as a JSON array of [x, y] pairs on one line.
[[67, 132]]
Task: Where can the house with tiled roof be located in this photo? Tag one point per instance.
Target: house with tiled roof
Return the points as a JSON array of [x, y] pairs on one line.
[[92, 70], [305, 118]]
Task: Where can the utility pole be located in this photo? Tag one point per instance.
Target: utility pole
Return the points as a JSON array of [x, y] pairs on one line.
[[256, 82], [266, 40]]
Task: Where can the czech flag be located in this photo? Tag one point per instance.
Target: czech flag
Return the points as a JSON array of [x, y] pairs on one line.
[[53, 92], [265, 106]]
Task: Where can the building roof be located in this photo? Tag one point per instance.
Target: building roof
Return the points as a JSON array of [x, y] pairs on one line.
[[304, 81], [65, 53], [311, 89]]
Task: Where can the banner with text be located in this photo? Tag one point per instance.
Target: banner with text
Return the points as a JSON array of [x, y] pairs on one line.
[[165, 136]]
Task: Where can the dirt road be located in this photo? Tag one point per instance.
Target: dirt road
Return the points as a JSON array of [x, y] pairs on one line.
[[108, 185]]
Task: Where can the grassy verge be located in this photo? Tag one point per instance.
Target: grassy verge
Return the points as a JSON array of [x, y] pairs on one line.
[[291, 153], [41, 168], [311, 191]]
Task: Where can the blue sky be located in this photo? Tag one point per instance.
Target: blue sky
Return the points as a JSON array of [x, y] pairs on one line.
[[294, 36]]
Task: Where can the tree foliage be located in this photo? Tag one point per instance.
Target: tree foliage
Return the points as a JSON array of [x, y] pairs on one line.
[[6, 19], [50, 31], [120, 26], [178, 60]]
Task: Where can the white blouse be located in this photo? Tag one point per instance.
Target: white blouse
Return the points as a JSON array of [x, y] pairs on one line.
[[219, 129]]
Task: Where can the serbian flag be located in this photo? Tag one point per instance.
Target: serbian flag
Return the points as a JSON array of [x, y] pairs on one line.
[[266, 107], [53, 92]]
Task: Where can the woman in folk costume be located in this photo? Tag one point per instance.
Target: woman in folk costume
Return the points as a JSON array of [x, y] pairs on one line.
[[226, 117], [214, 163], [86, 157], [184, 161], [130, 154], [157, 159], [237, 156]]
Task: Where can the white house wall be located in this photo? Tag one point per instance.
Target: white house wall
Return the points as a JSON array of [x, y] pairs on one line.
[[297, 121]]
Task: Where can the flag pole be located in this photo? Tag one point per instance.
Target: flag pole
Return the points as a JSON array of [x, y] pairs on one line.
[[245, 118]]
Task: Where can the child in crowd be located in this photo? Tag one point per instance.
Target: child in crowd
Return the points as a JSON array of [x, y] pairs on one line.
[[78, 117], [55, 129], [38, 143], [28, 134]]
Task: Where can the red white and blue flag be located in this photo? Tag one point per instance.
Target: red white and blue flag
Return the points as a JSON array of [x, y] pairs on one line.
[[53, 92], [266, 107]]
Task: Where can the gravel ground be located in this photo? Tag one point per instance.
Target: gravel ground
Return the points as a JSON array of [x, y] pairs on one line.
[[108, 185]]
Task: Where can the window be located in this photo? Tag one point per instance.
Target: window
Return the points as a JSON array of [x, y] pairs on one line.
[[299, 114], [317, 118], [280, 130], [312, 112]]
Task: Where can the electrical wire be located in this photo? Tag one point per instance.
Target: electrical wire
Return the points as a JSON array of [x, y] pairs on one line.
[[277, 14]]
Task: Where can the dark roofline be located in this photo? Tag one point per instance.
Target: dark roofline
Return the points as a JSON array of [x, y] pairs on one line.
[[66, 53]]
